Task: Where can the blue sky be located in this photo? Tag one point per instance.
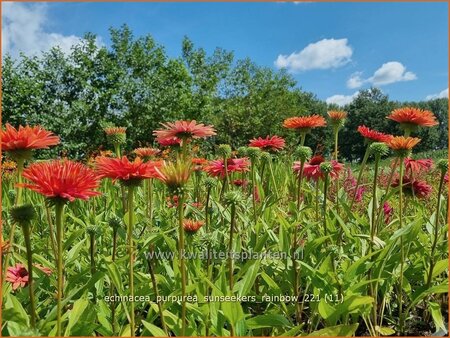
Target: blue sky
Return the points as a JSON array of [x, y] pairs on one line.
[[332, 49]]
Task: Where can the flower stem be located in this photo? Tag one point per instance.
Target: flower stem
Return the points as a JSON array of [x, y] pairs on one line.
[[92, 258], [361, 170], [230, 255], [182, 263], [373, 227], [402, 253], [131, 256], [27, 236], [254, 189], [59, 215], [324, 205], [436, 230]]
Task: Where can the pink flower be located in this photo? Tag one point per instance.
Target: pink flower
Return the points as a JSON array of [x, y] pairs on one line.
[[311, 169], [388, 212], [270, 143], [417, 166], [414, 187], [217, 167], [17, 275]]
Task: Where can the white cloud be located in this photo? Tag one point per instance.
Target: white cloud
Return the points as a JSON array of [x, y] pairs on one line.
[[24, 30], [389, 72], [341, 100], [323, 54], [440, 95]]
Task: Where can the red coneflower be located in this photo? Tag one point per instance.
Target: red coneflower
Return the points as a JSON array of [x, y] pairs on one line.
[[217, 167], [66, 180], [126, 171], [417, 166], [413, 117], [372, 135], [146, 153], [304, 123], [184, 130], [17, 275], [311, 169], [26, 139], [414, 187], [168, 142], [269, 143], [240, 183], [192, 226]]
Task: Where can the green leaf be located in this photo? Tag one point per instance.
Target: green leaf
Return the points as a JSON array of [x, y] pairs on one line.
[[154, 330], [435, 310], [440, 267], [268, 320], [338, 330], [384, 330], [74, 315], [249, 279]]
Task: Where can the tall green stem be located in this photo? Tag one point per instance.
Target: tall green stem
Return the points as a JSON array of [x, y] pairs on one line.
[[18, 201], [436, 230], [373, 226], [131, 256], [230, 255], [254, 190], [59, 215], [402, 252], [294, 246], [361, 170], [182, 262], [324, 205], [27, 236], [92, 258]]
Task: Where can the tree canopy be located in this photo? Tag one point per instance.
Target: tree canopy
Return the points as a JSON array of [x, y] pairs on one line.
[[135, 84]]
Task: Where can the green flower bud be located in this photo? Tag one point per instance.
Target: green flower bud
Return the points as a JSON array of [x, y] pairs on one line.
[[303, 153], [224, 150], [379, 149], [115, 222], [326, 167], [93, 230], [210, 182], [22, 214], [242, 151], [266, 157], [233, 198], [253, 153], [442, 165], [12, 194]]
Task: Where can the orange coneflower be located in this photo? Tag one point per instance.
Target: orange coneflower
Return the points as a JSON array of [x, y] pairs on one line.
[[183, 130], [64, 180], [373, 135], [337, 115], [199, 163], [403, 143], [192, 226], [146, 153], [304, 123], [411, 116], [20, 142], [115, 130], [270, 143], [126, 171]]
